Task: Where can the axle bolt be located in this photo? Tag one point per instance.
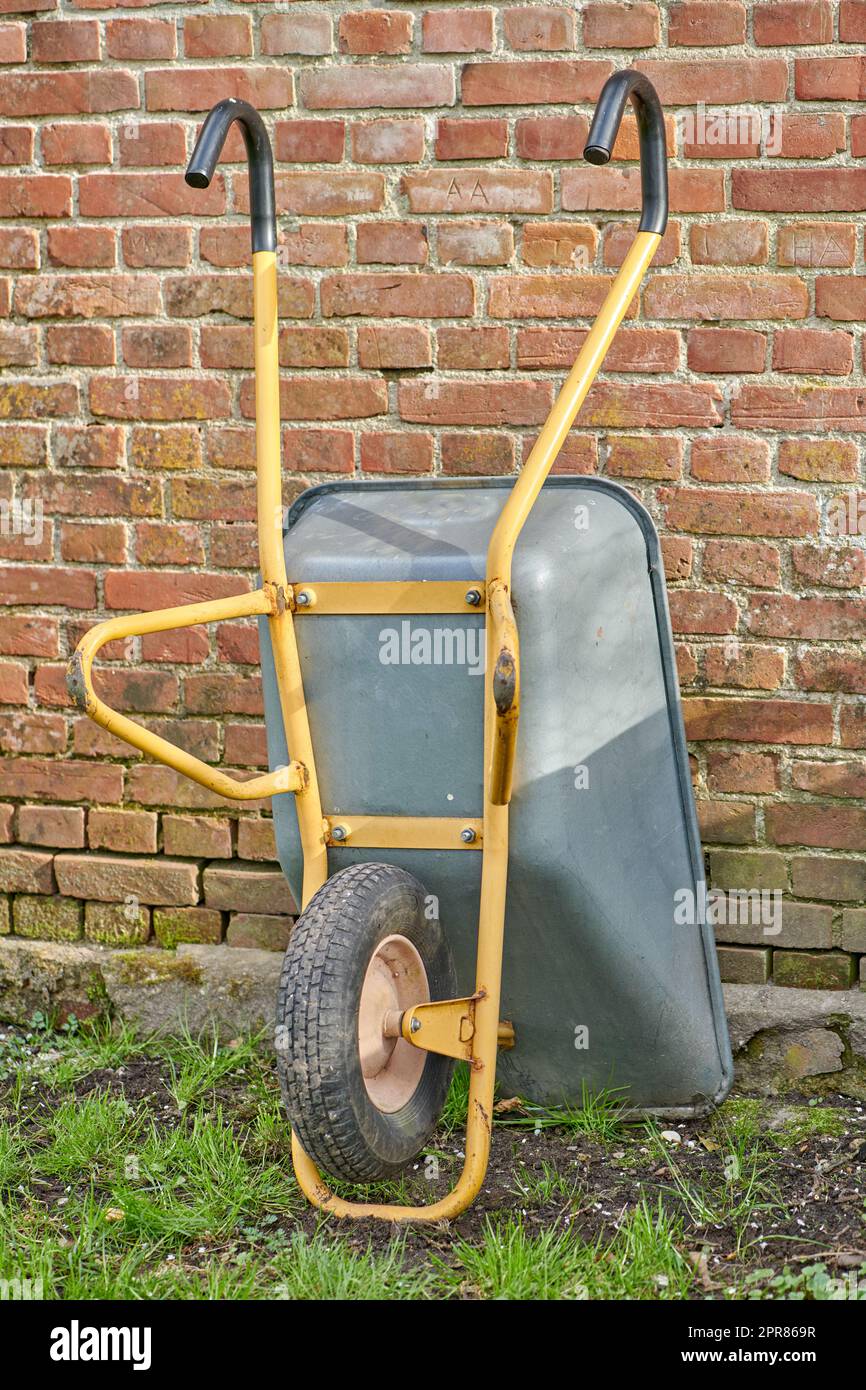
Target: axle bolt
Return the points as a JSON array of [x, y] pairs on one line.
[[468, 835], [473, 597], [415, 1025]]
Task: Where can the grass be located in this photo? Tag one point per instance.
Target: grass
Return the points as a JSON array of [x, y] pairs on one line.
[[160, 1168]]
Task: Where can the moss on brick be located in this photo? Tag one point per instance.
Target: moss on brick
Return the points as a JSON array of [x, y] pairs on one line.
[[47, 918], [814, 969], [152, 967], [201, 926], [116, 924]]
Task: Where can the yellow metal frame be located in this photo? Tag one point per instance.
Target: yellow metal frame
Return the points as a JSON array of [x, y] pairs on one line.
[[479, 1016]]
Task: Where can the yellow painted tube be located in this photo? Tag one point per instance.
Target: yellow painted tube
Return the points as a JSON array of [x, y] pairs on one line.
[[269, 507]]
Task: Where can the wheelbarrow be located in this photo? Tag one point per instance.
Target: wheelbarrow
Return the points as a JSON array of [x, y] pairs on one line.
[[393, 652]]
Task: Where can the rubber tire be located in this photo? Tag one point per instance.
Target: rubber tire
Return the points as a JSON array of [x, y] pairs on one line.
[[318, 1061]]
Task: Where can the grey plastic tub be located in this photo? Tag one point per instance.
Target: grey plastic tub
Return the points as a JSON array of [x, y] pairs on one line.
[[601, 983]]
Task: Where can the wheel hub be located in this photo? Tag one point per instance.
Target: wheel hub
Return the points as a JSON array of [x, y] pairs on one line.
[[395, 980]]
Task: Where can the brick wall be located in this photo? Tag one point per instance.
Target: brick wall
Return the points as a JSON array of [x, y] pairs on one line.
[[437, 223]]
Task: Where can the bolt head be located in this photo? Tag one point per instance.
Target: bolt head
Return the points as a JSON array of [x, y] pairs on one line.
[[339, 832], [415, 1025], [468, 835], [302, 599], [473, 597]]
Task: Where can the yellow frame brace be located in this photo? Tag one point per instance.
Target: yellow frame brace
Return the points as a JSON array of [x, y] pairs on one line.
[[277, 600]]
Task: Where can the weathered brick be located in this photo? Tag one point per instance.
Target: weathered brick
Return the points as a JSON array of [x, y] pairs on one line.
[[26, 871], [259, 931], [131, 832], [205, 837], [113, 879], [247, 887], [58, 826], [743, 965]]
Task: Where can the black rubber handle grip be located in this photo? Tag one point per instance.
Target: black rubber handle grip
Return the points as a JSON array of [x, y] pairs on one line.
[[651, 131], [208, 146]]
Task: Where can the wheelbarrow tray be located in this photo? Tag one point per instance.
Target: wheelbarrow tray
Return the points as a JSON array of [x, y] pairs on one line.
[[604, 986]]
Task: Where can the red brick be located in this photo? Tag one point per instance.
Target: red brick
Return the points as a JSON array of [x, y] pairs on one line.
[[304, 398], [746, 80], [156, 246], [551, 137], [375, 31], [26, 871], [29, 584], [728, 458], [88, 247], [785, 615], [533, 83], [743, 667], [475, 243], [729, 243], [88, 446], [757, 721], [65, 41], [309, 35], [249, 887], [645, 456], [143, 143], [161, 543], [473, 349], [840, 297], [26, 635], [177, 446], [59, 826], [67, 93], [104, 878], [475, 139], [838, 567], [852, 21], [548, 296], [13, 42], [458, 31], [826, 669], [78, 143], [792, 22], [808, 137], [542, 28], [798, 407], [475, 455], [135, 39], [569, 244], [315, 451], [387, 141], [393, 346], [265, 88], [632, 350], [52, 779], [828, 79], [34, 400], [36, 195], [403, 296], [159, 346], [159, 398], [830, 779], [807, 350], [691, 190], [304, 142], [716, 512], [339, 87], [204, 837], [469, 403], [340, 194], [16, 144], [147, 195], [80, 346], [726, 297], [256, 839], [18, 346], [726, 350], [695, 24], [396, 453], [130, 832], [618, 237], [612, 405], [742, 771], [479, 190], [621, 26], [217, 36], [105, 543], [391, 243]]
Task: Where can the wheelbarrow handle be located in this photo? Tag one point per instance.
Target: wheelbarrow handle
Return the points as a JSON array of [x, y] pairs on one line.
[[208, 148], [651, 133]]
